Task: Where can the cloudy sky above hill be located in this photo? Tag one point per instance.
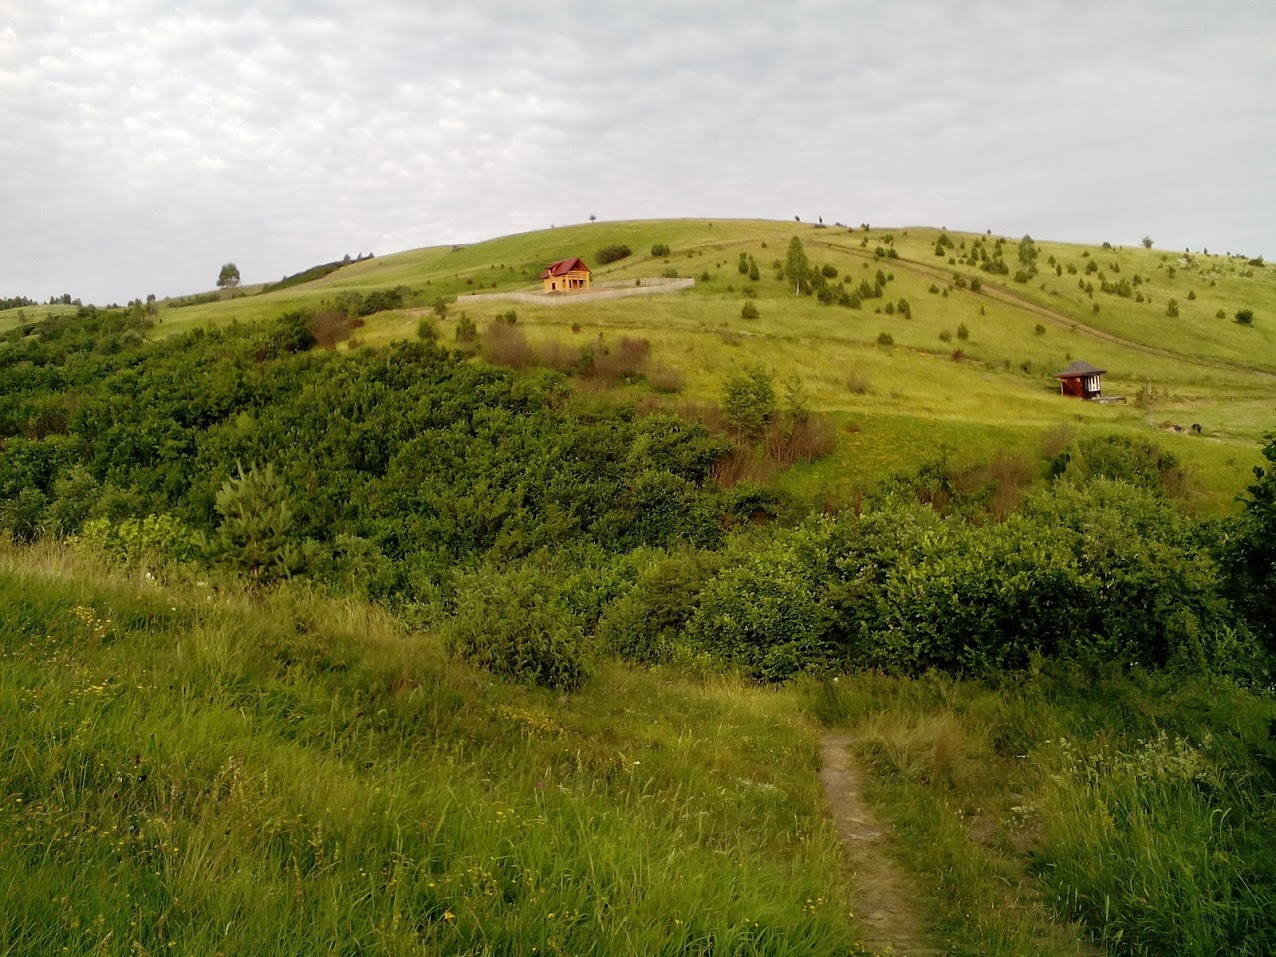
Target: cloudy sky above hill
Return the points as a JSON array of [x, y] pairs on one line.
[[143, 143]]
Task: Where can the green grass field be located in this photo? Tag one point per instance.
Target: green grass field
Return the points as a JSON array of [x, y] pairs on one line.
[[195, 771], [191, 767]]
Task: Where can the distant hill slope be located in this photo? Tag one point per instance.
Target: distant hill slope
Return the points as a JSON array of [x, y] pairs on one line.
[[967, 373]]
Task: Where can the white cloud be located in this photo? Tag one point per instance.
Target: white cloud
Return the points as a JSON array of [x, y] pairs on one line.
[[154, 143]]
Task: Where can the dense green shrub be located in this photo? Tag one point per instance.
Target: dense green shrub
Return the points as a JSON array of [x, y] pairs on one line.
[[645, 625], [749, 311], [1245, 316], [155, 539], [764, 614], [612, 253], [404, 458], [1249, 549], [1142, 463], [510, 623], [660, 250]]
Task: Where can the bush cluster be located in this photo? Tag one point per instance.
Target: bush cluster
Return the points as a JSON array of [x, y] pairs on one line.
[[611, 254]]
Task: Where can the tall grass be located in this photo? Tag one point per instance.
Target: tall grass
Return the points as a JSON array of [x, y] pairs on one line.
[[1153, 847], [198, 771], [1060, 810]]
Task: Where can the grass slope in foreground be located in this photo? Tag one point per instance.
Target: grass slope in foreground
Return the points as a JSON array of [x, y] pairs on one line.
[[190, 769], [198, 773]]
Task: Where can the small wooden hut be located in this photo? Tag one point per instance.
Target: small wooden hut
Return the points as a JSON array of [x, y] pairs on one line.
[[1081, 380], [566, 275]]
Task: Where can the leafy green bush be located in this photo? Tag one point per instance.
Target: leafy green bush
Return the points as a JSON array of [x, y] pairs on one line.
[[749, 311], [1249, 550], [646, 623], [511, 624], [1139, 462], [612, 253], [764, 613], [1245, 316], [885, 339], [23, 515], [660, 250], [1172, 308], [155, 539]]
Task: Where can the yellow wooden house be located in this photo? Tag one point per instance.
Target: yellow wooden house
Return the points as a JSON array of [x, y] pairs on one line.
[[566, 275]]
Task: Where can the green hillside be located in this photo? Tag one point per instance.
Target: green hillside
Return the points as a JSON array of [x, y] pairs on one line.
[[791, 612], [931, 391]]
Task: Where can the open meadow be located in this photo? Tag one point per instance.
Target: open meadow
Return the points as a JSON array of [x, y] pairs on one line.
[[388, 610]]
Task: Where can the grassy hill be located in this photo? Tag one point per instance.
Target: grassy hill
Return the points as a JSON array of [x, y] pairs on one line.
[[391, 651], [928, 393]]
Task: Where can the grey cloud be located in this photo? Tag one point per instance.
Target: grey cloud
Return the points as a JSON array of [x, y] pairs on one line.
[[154, 143]]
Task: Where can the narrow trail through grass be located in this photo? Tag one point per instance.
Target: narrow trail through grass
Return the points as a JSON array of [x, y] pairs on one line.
[[884, 896]]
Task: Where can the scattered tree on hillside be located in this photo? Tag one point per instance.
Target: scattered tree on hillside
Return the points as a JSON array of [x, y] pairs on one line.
[[228, 278], [1147, 242], [256, 524], [796, 266], [748, 400]]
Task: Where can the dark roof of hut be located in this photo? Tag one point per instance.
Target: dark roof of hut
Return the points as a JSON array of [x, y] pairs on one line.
[[1078, 369]]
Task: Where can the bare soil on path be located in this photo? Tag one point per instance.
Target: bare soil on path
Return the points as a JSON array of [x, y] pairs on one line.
[[884, 896]]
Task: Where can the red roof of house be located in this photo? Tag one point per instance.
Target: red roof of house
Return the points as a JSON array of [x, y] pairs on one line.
[[564, 266]]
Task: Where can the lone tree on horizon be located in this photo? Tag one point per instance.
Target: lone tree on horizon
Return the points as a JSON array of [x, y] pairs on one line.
[[228, 278], [1147, 242]]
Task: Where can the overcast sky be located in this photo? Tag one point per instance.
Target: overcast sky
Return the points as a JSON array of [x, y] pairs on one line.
[[144, 143]]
